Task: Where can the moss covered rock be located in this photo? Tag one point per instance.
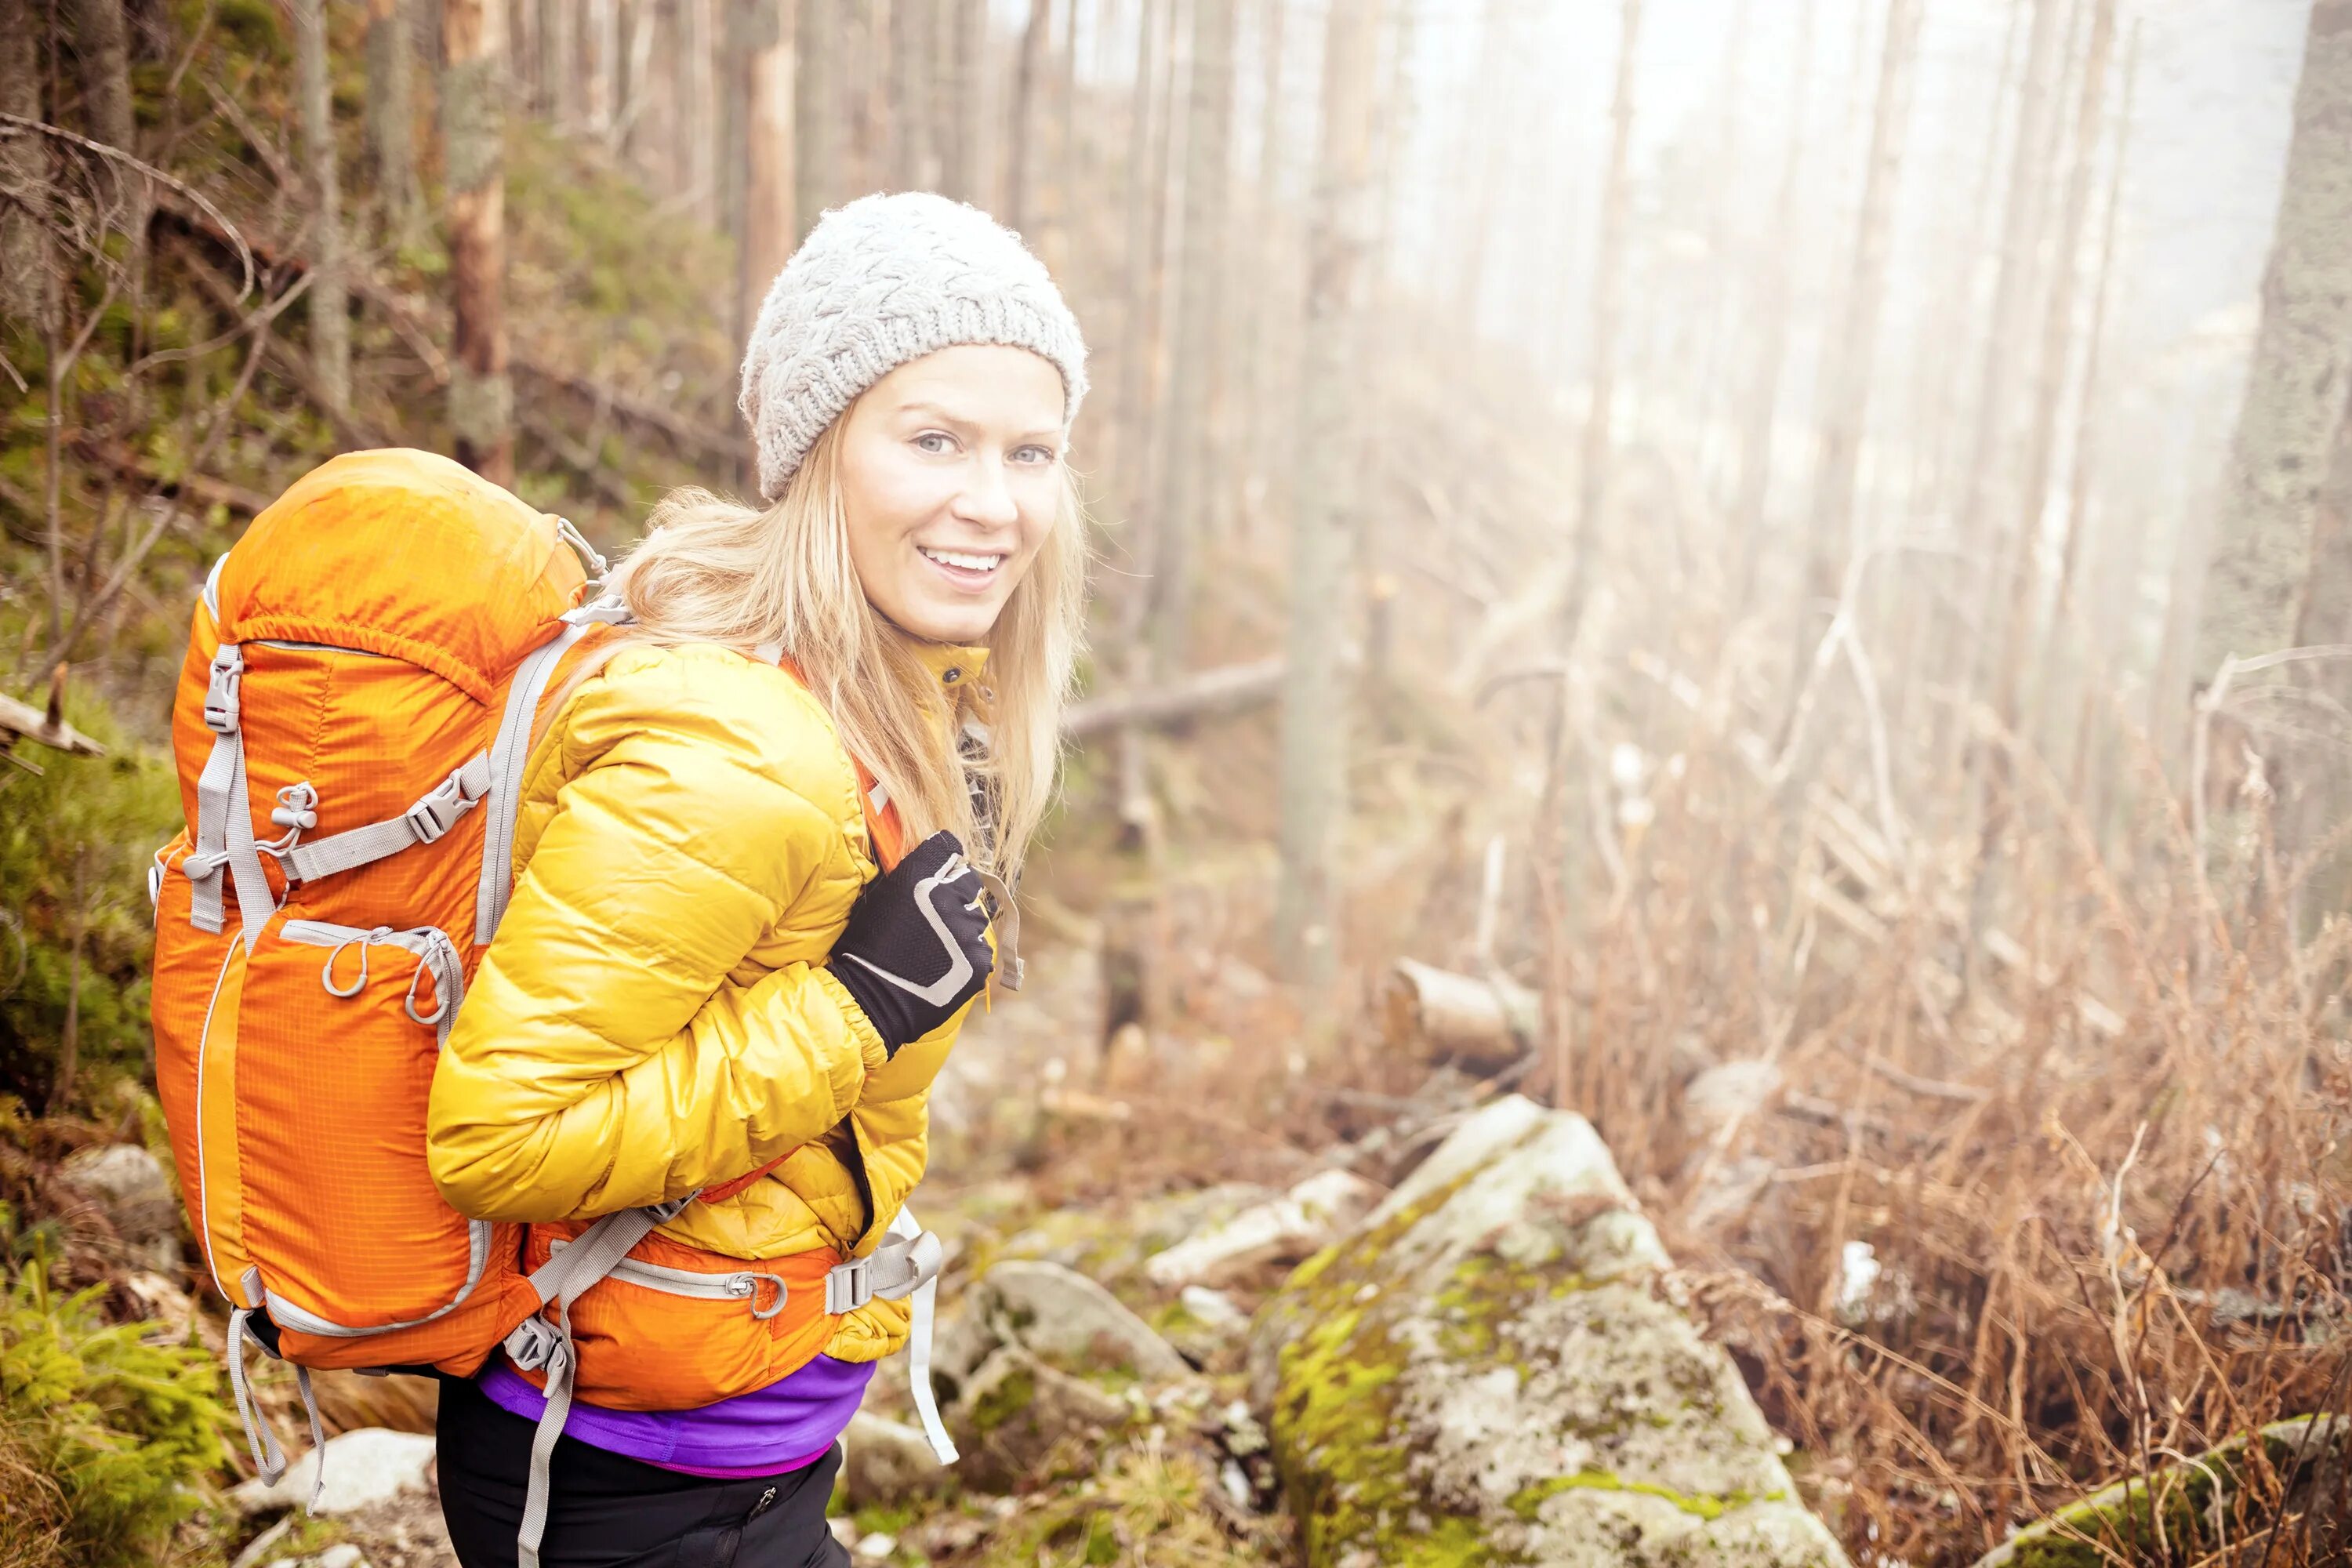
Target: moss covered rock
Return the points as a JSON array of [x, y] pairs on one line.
[[1480, 1375], [2224, 1496], [1021, 1421]]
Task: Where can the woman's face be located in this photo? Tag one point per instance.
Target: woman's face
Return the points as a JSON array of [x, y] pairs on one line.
[[951, 477]]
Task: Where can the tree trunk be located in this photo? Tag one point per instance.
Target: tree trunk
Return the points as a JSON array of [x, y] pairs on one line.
[[1608, 264], [914, 112], [473, 87], [2057, 333], [963, 162], [603, 63], [390, 122], [69, 1037], [101, 45], [1485, 173], [1024, 111], [698, 105], [562, 61], [1141, 185], [1846, 390], [2302, 364], [1313, 790], [817, 109], [770, 227], [329, 303], [1192, 336], [25, 284], [1760, 428], [2008, 342]]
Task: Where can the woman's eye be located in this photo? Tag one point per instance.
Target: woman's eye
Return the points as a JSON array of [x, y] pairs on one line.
[[1036, 454], [927, 442]]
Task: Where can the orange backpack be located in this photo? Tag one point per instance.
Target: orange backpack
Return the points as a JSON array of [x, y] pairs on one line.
[[363, 676]]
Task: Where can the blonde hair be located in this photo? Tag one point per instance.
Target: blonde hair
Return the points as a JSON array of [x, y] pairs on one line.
[[711, 569]]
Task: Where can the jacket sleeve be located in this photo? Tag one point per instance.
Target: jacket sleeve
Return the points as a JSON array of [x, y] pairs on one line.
[[602, 1057]]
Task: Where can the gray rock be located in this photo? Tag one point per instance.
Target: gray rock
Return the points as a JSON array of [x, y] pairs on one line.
[[1063, 1317], [129, 1186], [1289, 1228], [886, 1462], [1020, 1419], [371, 1465], [1482, 1364]]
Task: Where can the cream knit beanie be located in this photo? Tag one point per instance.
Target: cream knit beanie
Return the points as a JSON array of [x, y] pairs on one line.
[[880, 282]]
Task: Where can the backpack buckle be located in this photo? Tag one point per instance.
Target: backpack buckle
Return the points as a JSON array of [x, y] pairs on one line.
[[220, 690], [438, 812], [848, 1286]]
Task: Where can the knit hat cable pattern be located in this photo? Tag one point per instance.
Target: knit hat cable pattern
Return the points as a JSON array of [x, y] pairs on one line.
[[880, 282]]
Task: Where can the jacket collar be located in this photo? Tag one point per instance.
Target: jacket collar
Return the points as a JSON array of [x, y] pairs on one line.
[[953, 665]]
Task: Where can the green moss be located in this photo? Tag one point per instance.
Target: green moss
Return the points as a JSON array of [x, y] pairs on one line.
[[1003, 1400], [1528, 1501]]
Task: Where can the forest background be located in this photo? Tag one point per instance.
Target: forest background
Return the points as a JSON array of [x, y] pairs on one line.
[[1809, 537]]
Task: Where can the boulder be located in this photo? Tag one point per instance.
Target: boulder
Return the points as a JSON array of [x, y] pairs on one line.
[[1480, 1370], [1305, 1217], [365, 1467], [1058, 1315], [886, 1462], [1020, 1419], [129, 1186]]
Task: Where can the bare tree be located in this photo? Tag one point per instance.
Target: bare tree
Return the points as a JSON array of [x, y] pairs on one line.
[[2302, 362], [390, 110], [1846, 390], [1759, 427], [818, 108], [2050, 376], [473, 88], [963, 163], [101, 45], [698, 94], [561, 62], [2008, 339], [1022, 115], [1314, 704], [770, 229], [1200, 305], [25, 284], [1608, 266], [330, 319]]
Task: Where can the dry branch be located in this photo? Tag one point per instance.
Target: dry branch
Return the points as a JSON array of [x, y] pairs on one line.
[[1203, 695]]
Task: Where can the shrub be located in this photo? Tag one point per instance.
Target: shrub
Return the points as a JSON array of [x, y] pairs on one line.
[[107, 1441]]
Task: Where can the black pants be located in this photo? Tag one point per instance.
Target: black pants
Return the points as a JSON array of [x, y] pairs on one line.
[[606, 1510]]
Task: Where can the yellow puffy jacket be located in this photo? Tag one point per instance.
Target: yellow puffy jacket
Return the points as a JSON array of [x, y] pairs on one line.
[[653, 1015]]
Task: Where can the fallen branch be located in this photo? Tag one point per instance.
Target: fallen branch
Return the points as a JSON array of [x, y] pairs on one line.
[[725, 445], [1208, 693]]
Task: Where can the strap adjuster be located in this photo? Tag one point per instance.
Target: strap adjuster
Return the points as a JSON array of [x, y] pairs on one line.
[[533, 1344], [848, 1286], [220, 690]]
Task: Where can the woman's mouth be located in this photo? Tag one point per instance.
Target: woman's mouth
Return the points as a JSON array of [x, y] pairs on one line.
[[967, 568]]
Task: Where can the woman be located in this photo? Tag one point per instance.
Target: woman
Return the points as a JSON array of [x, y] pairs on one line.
[[706, 984]]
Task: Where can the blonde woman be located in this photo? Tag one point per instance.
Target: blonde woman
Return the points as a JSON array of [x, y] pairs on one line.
[[749, 914]]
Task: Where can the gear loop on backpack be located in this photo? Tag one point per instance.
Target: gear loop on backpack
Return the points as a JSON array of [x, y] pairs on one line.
[[327, 970]]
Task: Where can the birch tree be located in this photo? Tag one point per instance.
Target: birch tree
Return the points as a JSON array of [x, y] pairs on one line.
[[473, 127], [2296, 387], [1313, 790], [329, 302]]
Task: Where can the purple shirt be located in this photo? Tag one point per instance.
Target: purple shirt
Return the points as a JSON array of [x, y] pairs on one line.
[[784, 1427]]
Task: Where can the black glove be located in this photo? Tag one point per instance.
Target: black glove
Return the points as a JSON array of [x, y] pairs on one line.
[[915, 947]]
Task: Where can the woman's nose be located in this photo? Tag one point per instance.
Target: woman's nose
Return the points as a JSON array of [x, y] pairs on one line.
[[986, 498]]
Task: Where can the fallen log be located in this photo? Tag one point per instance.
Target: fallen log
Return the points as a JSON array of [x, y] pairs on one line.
[[1441, 1016], [1209, 692]]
